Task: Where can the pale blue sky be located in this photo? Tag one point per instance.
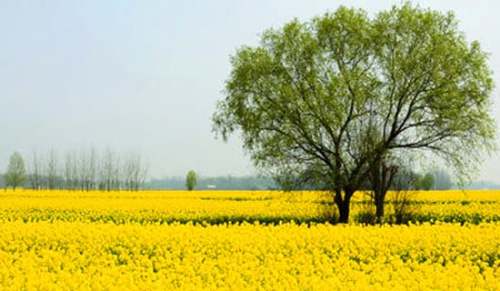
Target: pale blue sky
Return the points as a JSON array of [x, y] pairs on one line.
[[145, 75]]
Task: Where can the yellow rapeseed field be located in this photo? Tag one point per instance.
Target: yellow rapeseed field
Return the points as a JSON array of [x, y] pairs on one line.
[[242, 240], [222, 206]]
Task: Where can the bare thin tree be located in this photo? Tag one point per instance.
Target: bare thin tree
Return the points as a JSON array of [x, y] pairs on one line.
[[34, 171], [92, 169], [52, 170], [134, 172]]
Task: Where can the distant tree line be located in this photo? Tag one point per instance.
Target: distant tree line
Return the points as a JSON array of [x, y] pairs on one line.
[[83, 170], [401, 179], [406, 179], [431, 180], [89, 169], [215, 183]]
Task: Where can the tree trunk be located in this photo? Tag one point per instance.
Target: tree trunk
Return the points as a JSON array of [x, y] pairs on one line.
[[379, 208], [344, 205], [381, 177], [344, 212]]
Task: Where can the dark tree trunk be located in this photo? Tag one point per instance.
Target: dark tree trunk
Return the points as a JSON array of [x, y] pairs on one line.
[[379, 208], [344, 212], [343, 205], [381, 177]]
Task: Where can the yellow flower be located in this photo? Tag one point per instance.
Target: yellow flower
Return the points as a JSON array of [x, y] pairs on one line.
[[155, 240]]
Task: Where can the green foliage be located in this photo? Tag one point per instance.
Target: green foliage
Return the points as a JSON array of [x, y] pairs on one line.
[[311, 95], [425, 182], [191, 180], [16, 171]]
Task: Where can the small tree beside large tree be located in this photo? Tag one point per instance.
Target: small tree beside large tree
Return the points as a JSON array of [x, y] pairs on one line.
[[326, 101]]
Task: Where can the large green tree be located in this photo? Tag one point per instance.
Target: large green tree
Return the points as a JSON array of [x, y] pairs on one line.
[[327, 100], [16, 171]]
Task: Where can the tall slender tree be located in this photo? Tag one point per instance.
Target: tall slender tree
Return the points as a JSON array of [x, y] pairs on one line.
[[191, 180]]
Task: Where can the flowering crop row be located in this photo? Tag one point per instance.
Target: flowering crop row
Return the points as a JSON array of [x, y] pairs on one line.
[[76, 255], [228, 206]]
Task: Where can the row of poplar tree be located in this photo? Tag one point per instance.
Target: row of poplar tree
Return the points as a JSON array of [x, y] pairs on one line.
[[83, 170]]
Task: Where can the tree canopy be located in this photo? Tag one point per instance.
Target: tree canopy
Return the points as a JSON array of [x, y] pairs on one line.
[[191, 180], [327, 100], [16, 171]]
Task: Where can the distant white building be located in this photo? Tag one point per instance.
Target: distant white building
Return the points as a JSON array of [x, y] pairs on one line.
[[211, 187]]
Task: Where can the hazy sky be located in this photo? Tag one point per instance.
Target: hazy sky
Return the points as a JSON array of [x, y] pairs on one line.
[[144, 76]]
